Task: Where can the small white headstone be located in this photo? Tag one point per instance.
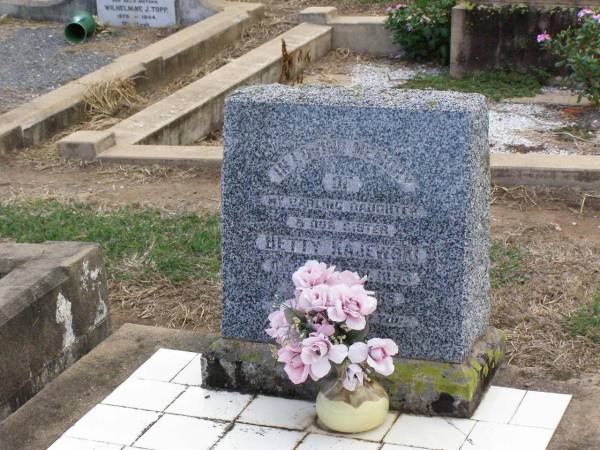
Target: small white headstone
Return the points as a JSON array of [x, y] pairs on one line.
[[144, 13]]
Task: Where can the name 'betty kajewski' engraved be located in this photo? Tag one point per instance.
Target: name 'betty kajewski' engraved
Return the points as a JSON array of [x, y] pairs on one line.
[[343, 248]]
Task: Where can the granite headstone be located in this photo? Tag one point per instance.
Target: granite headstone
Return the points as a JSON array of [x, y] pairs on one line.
[[393, 184]]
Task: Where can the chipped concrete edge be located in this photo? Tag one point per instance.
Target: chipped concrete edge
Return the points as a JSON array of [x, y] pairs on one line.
[[157, 63]]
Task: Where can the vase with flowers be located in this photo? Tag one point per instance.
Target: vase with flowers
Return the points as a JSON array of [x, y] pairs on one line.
[[322, 335]]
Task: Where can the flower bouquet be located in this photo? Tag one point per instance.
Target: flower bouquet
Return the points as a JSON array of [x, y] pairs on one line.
[[322, 333]]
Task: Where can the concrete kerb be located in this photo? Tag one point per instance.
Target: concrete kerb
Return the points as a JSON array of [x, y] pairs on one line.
[[193, 111], [360, 34], [162, 61], [582, 171]]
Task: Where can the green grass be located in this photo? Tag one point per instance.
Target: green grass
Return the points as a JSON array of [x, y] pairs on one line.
[[495, 84], [140, 243], [508, 264], [586, 321]]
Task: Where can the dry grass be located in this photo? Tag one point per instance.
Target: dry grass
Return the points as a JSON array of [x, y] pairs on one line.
[[561, 276], [106, 103], [194, 305]]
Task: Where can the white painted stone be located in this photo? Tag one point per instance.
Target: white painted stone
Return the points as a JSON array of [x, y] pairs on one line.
[[220, 405], [375, 435], [146, 13], [499, 404], [322, 442], [65, 316], [181, 433], [252, 437], [497, 436], [144, 394], [541, 409], [401, 447], [279, 412], [439, 433], [164, 365], [112, 424]]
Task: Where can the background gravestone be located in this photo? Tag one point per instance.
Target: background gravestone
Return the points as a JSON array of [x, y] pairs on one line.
[[393, 184], [153, 13]]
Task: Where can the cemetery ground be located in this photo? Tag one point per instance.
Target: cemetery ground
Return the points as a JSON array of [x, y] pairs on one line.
[[159, 227]]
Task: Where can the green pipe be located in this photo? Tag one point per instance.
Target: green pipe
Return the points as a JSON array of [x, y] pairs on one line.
[[81, 26]]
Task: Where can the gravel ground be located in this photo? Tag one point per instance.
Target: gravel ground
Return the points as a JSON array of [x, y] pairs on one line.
[[36, 59]]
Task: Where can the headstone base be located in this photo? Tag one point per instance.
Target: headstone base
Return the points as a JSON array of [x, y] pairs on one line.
[[416, 386]]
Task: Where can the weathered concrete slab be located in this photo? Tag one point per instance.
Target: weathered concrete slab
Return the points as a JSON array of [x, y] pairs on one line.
[[53, 310]]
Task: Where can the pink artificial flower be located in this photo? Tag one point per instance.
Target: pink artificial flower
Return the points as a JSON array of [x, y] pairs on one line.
[[596, 17], [377, 352], [388, 10], [346, 277], [296, 370], [351, 304], [317, 352], [543, 37], [279, 328], [321, 325], [315, 299], [584, 12], [311, 274], [400, 6], [354, 376]]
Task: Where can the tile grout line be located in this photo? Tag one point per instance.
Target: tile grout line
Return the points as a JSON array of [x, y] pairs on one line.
[[232, 423], [183, 368], [160, 415], [517, 408]]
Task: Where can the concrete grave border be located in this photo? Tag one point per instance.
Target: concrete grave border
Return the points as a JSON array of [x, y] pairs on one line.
[[53, 310], [197, 109], [32, 122]]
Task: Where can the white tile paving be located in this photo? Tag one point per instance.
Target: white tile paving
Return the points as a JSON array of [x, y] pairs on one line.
[[112, 424], [200, 402], [498, 436], [144, 394], [191, 374], [181, 433], [162, 407], [68, 443], [279, 412], [164, 365], [541, 409], [324, 442], [430, 432], [500, 405], [253, 437]]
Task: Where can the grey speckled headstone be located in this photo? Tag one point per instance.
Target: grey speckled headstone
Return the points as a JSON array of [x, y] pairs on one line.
[[391, 183]]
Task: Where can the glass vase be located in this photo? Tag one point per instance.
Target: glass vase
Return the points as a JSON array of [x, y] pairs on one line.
[[356, 411]]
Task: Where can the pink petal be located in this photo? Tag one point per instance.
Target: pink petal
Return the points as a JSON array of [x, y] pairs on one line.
[[337, 353], [356, 323], [358, 352], [336, 315], [296, 375], [385, 367], [320, 368]]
